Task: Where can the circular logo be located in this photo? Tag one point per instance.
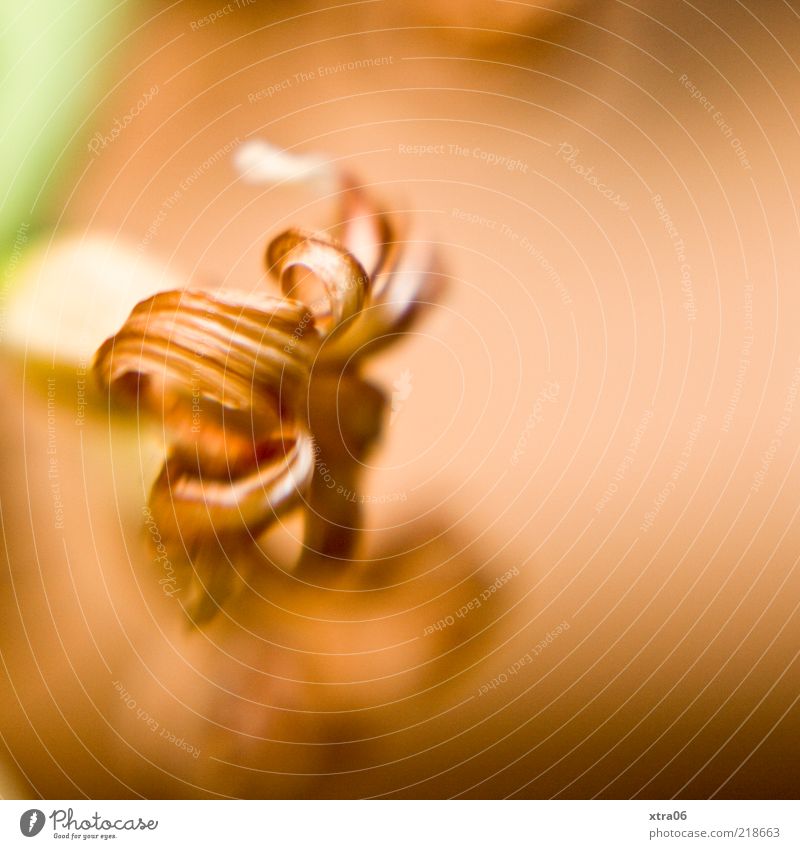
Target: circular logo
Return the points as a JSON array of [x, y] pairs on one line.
[[31, 822]]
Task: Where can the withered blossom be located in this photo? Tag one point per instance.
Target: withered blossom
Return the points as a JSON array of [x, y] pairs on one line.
[[280, 381]]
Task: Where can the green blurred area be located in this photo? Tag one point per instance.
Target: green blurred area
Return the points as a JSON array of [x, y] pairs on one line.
[[54, 55]]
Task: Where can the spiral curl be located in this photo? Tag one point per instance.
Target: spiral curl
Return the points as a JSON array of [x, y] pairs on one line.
[[280, 388]]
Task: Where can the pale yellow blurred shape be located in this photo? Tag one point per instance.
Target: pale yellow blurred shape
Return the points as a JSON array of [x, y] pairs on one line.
[[70, 295]]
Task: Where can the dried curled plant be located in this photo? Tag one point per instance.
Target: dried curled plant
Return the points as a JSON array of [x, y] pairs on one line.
[[259, 394]]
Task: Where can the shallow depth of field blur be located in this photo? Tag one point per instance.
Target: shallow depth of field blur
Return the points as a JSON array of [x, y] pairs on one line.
[[577, 574]]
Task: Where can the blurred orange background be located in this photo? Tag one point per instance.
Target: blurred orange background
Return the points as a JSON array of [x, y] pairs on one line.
[[602, 420]]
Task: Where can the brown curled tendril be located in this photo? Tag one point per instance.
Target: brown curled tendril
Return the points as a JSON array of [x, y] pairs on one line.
[[345, 281], [258, 393]]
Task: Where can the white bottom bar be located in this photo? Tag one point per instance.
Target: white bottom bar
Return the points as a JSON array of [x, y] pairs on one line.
[[416, 824]]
